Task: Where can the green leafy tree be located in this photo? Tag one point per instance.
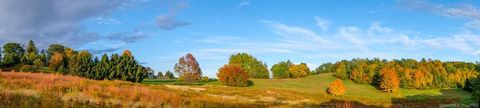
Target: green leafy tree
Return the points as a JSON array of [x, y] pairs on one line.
[[38, 63], [188, 69], [254, 67], [55, 48], [43, 57], [280, 70], [160, 75], [169, 75], [12, 53], [324, 68]]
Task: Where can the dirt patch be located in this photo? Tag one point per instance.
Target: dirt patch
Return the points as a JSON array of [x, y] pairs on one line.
[[266, 99], [186, 88]]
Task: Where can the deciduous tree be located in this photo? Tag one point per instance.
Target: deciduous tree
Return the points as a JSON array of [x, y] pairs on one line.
[[188, 69], [57, 61], [297, 71], [336, 88], [12, 53], [389, 80], [280, 70], [254, 67]]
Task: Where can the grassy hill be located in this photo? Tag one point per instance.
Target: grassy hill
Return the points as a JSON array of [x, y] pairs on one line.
[[50, 90], [312, 88]]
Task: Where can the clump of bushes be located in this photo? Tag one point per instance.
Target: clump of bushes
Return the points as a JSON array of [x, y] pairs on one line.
[[336, 88], [233, 75], [205, 79], [289, 70]]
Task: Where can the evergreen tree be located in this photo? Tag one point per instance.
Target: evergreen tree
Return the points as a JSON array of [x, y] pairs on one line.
[[160, 75]]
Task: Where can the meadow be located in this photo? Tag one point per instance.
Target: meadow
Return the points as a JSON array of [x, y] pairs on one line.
[[310, 91], [20, 89]]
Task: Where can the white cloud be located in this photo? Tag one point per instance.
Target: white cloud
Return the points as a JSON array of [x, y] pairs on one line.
[[345, 42], [322, 23]]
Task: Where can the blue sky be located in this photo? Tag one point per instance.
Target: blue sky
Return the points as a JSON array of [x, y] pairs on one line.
[[311, 31]]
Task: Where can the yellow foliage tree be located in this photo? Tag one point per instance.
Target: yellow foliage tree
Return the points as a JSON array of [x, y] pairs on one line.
[[127, 53], [300, 70], [336, 88], [56, 61], [419, 79], [389, 80]]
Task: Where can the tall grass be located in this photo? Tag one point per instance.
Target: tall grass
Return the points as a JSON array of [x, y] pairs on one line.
[[50, 90]]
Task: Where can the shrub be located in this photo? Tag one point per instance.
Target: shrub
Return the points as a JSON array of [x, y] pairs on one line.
[[205, 79], [28, 68], [233, 75], [336, 88]]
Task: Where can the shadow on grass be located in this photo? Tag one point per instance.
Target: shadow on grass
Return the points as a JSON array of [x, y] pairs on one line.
[[342, 104], [446, 99], [250, 83]]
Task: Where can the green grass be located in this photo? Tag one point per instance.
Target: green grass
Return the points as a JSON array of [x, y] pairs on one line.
[[313, 88]]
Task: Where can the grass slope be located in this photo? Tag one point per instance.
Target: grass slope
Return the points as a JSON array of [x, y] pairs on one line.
[[19, 89], [364, 93], [312, 88]]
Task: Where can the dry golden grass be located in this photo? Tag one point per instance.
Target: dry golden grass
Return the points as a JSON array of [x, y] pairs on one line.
[[34, 89], [26, 90]]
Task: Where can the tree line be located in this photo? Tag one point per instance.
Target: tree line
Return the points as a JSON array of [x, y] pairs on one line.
[[64, 60], [404, 73]]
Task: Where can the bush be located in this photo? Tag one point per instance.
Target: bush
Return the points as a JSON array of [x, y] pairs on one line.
[[233, 75], [205, 79], [28, 68], [336, 88]]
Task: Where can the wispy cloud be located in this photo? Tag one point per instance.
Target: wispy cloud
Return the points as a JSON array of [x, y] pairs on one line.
[[168, 21], [243, 3], [345, 42], [322, 23], [453, 10]]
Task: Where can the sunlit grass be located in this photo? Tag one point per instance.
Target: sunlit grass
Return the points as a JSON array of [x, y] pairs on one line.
[[34, 88]]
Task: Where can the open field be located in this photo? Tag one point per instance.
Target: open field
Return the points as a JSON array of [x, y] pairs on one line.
[[46, 90], [311, 89]]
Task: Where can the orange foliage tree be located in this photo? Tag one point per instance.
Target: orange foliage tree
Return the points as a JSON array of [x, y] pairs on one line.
[[233, 75], [336, 88], [389, 81]]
